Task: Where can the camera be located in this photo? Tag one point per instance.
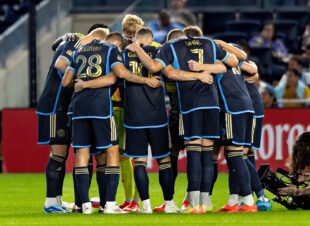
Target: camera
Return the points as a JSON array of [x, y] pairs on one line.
[[272, 182]]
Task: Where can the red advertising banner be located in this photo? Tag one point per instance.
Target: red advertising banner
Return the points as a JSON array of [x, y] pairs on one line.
[[21, 153]]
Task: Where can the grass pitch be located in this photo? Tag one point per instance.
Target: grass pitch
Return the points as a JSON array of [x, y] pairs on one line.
[[22, 197]]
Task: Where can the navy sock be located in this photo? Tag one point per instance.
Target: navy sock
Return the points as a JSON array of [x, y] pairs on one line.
[[207, 168], [166, 180], [174, 166], [251, 157], [82, 182], [215, 173], [54, 175], [141, 179], [256, 185], [77, 200], [90, 169], [100, 176], [112, 179], [239, 176], [194, 170]]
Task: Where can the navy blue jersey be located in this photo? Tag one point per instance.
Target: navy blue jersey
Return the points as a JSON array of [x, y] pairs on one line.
[[144, 106], [234, 94], [54, 97], [89, 62], [171, 90], [193, 95], [255, 97]]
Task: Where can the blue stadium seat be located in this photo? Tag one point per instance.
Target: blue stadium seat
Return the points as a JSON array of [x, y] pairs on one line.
[[261, 16], [214, 22], [250, 27], [230, 36], [303, 17]]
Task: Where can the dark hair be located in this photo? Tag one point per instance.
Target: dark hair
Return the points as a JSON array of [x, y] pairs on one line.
[[270, 22], [116, 36], [244, 45], [144, 31], [297, 59], [301, 152], [294, 71], [95, 26]]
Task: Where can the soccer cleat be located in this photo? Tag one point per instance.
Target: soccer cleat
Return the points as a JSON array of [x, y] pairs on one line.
[[171, 208], [146, 211], [227, 208], [244, 209], [113, 210], [67, 205], [95, 202], [87, 208], [56, 208], [132, 207], [185, 204], [160, 208], [203, 209], [101, 210], [124, 204], [76, 209], [263, 206], [195, 209]]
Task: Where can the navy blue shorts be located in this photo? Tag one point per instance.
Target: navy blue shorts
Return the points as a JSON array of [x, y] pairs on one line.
[[258, 122], [54, 129], [236, 129], [100, 133], [137, 140], [200, 124]]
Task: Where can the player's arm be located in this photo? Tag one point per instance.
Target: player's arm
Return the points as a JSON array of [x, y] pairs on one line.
[[248, 66], [65, 57], [61, 65], [100, 82], [180, 75], [225, 57], [123, 73], [240, 54], [150, 64], [67, 80], [217, 68]]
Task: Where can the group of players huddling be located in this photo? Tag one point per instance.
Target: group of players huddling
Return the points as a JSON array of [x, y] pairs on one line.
[[105, 93]]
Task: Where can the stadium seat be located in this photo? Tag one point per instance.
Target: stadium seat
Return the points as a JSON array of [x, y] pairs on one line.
[[264, 55], [214, 22], [301, 16], [230, 36], [261, 16], [288, 30], [249, 27]]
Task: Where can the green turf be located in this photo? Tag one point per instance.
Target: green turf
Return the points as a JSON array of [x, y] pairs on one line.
[[22, 197]]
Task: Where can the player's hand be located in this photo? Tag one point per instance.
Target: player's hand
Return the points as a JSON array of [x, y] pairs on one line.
[[79, 85], [194, 65], [153, 82], [206, 77], [249, 79], [291, 190], [132, 47]]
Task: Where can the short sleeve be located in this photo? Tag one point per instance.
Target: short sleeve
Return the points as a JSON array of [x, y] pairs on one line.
[[67, 51], [165, 55], [221, 54], [115, 57]]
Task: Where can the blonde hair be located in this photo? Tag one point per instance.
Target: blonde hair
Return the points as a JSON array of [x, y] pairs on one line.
[[193, 31], [175, 33], [132, 23], [99, 33]]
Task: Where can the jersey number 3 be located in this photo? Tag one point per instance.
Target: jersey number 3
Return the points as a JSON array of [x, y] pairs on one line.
[[93, 70]]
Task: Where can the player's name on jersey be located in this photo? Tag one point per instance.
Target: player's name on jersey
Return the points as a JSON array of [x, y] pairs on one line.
[[193, 43], [131, 54], [90, 48]]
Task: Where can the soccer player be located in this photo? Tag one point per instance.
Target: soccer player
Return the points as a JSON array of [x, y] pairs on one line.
[[91, 112], [52, 125], [198, 103], [236, 125]]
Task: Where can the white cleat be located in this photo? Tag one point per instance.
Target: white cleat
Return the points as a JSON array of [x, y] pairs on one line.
[[67, 205], [170, 207], [113, 209], [87, 208], [146, 207]]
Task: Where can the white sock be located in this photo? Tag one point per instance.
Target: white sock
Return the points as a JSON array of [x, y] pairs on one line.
[[169, 202], [240, 199], [233, 199], [146, 204], [194, 198], [50, 201], [203, 199], [110, 204], [263, 198], [249, 200], [209, 203], [136, 200], [59, 199]]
